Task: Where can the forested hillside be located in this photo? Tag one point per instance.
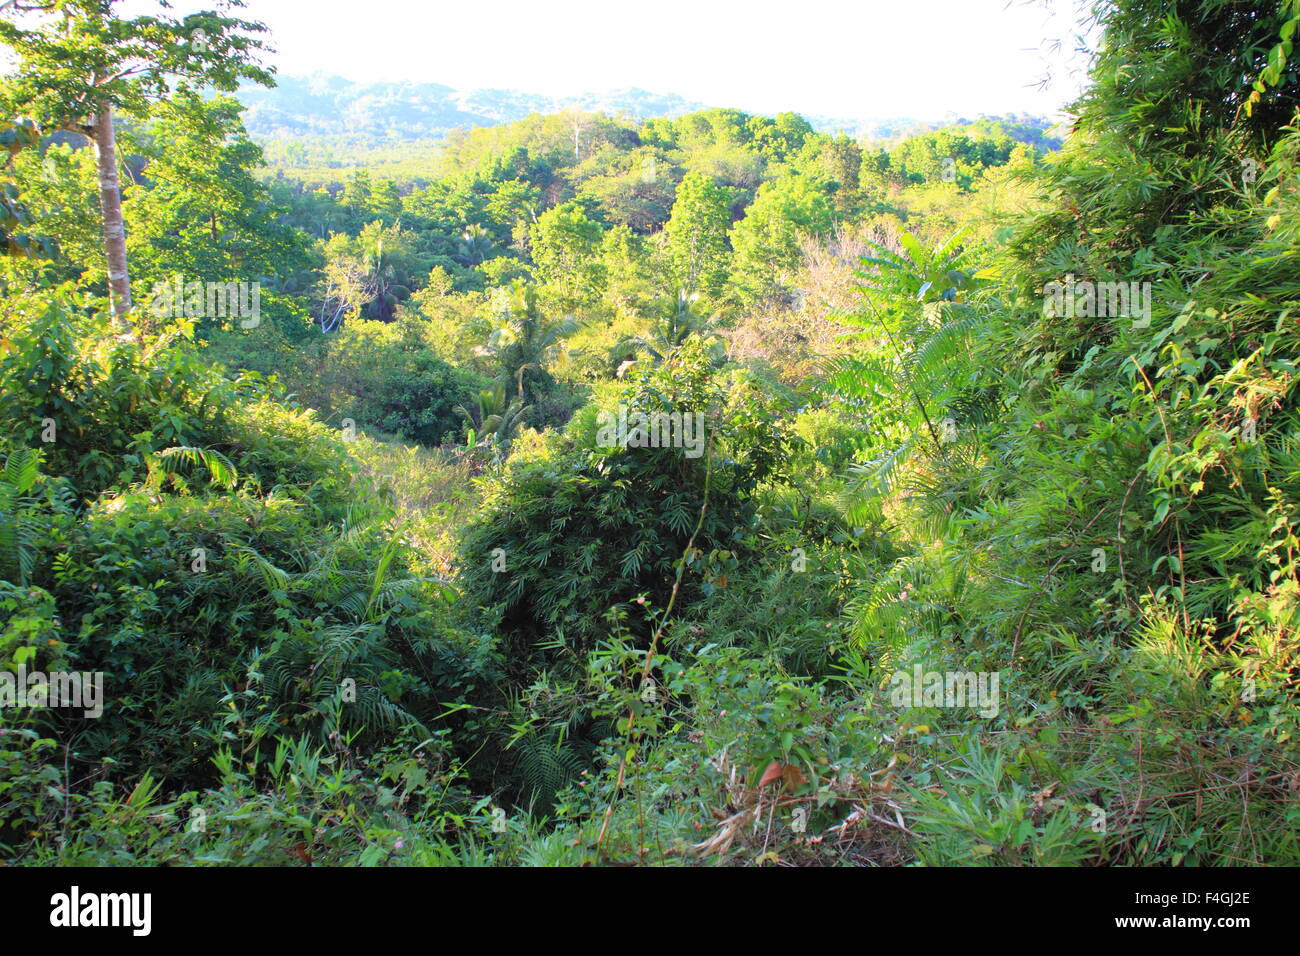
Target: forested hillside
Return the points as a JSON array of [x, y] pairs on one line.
[[700, 489], [334, 107], [326, 117]]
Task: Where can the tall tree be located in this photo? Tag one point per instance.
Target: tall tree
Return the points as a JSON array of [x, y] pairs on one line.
[[697, 235], [766, 242], [205, 214], [77, 64], [566, 251]]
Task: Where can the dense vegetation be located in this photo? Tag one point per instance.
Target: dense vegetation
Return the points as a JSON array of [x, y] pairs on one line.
[[379, 568]]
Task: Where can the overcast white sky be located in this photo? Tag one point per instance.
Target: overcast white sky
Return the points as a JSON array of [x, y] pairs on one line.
[[844, 58]]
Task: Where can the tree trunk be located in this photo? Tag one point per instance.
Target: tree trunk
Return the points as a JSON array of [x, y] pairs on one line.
[[110, 202]]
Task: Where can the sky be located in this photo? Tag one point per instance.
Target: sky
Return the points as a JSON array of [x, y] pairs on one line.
[[855, 59]]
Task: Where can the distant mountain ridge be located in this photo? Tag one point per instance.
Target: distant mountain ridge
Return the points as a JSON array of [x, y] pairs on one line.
[[327, 105]]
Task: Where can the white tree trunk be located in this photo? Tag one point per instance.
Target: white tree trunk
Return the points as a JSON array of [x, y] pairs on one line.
[[110, 202]]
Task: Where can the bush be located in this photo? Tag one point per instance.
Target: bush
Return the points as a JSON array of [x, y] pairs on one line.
[[383, 376], [225, 563], [581, 528]]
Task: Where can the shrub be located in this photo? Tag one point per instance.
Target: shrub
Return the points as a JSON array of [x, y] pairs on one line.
[[225, 564], [582, 528]]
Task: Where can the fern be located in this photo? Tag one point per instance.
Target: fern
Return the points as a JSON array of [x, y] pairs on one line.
[[167, 463], [20, 516]]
